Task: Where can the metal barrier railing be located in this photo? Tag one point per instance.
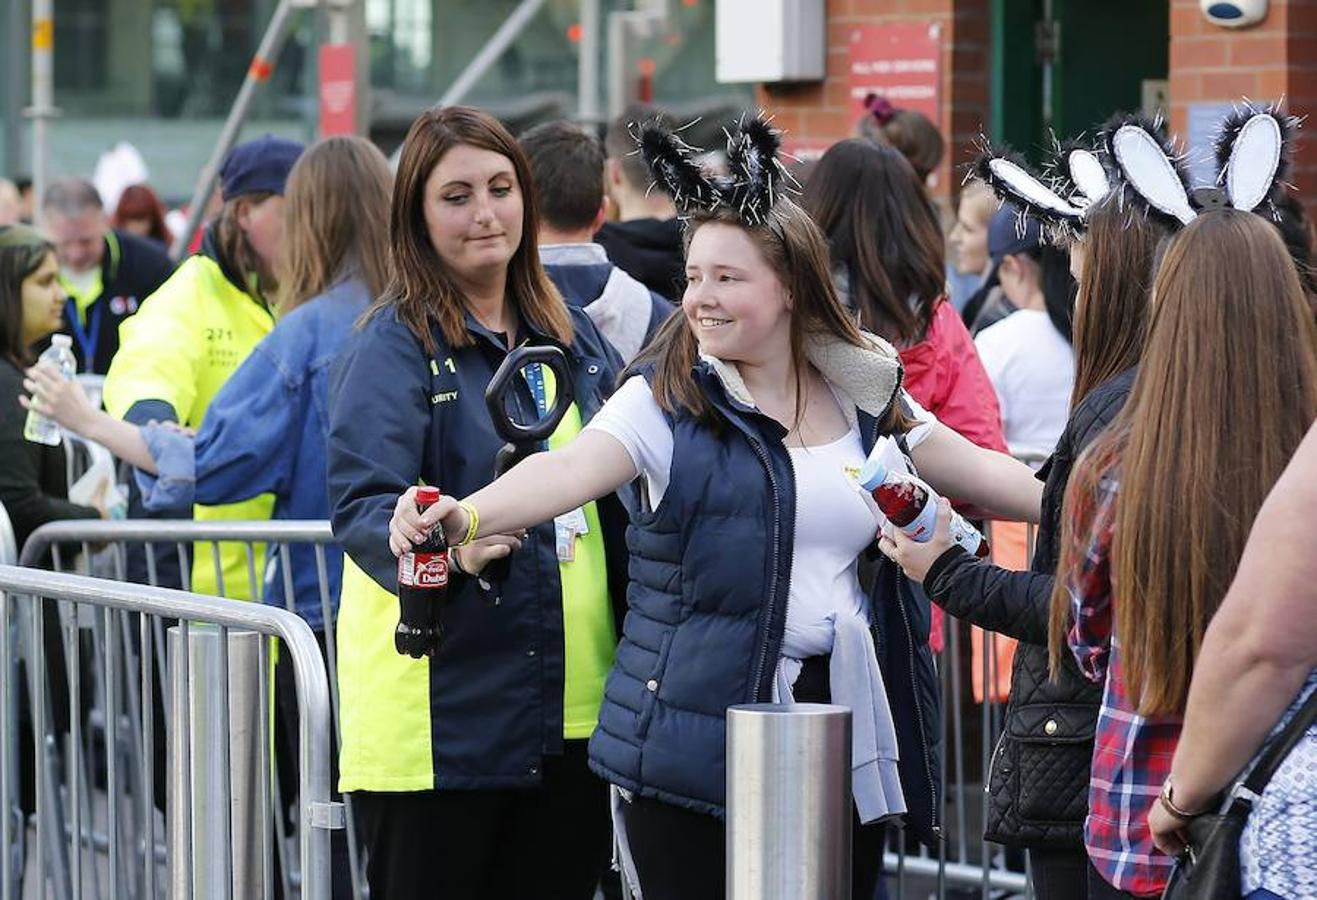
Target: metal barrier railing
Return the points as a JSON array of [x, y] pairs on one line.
[[963, 859], [103, 549], [122, 612]]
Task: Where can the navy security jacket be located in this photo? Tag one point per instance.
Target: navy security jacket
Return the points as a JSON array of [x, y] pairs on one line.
[[710, 569], [399, 415]]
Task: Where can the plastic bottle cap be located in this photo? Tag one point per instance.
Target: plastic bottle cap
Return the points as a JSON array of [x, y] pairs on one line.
[[427, 495], [61, 340], [872, 473]]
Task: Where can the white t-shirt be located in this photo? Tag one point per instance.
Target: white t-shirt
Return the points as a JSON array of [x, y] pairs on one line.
[[1032, 369], [833, 523]]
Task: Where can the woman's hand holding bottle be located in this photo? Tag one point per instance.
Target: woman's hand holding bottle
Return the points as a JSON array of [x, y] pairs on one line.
[[409, 527], [58, 398]]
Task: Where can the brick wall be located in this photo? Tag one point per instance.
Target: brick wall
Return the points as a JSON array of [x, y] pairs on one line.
[[1272, 60], [819, 113]]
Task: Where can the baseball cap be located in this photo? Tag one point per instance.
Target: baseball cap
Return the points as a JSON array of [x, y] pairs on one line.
[[1009, 233], [258, 167]]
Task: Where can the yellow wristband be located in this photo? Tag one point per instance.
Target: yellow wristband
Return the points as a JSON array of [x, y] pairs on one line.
[[472, 523]]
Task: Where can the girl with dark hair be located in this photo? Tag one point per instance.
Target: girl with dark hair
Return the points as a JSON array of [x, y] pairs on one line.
[[742, 419], [468, 768], [888, 254], [33, 479]]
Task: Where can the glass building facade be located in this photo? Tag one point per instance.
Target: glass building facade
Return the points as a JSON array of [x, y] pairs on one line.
[[162, 74]]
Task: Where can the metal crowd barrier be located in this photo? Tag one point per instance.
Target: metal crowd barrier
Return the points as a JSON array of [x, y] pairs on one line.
[[120, 613], [103, 549], [964, 860]]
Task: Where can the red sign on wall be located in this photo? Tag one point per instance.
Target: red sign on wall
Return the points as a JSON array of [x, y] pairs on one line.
[[338, 89], [901, 62]]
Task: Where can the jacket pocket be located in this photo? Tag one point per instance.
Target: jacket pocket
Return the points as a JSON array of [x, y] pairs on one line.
[[1052, 758], [649, 699]]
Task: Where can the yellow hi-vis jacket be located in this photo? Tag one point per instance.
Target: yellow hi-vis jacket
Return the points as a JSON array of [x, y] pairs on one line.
[[181, 346]]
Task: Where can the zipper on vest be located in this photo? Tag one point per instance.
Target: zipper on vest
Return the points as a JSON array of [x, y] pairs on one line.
[[762, 661]]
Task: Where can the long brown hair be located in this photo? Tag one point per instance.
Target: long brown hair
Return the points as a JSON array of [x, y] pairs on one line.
[[421, 289], [796, 251], [336, 220], [883, 233], [236, 253], [1111, 309], [1226, 391]]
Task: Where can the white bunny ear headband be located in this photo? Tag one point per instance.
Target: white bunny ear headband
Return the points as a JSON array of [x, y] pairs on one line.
[[756, 176], [1061, 206], [1252, 153]]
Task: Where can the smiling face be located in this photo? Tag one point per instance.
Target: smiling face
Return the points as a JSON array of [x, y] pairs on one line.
[[735, 304], [43, 301], [474, 211]]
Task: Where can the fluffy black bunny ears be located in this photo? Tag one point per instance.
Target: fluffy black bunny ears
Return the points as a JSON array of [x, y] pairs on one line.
[[1252, 155], [756, 176]]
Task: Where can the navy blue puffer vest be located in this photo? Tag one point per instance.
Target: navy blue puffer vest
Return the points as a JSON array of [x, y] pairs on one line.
[[710, 569]]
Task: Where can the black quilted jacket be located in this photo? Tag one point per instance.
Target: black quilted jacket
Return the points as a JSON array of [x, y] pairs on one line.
[[1039, 775]]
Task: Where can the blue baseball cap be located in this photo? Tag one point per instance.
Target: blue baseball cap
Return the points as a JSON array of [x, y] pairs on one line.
[[1007, 236], [258, 167]]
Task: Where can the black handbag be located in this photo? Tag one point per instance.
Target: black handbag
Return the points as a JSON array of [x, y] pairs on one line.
[[1208, 868]]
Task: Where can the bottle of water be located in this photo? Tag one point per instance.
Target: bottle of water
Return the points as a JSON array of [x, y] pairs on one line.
[[59, 354]]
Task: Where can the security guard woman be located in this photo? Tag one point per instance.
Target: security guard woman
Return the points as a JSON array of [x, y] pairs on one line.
[[469, 768]]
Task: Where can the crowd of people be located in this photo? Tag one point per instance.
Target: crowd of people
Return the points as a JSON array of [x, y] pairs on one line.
[[693, 536]]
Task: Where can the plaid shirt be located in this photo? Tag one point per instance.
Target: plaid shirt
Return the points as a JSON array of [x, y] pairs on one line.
[[1132, 755]]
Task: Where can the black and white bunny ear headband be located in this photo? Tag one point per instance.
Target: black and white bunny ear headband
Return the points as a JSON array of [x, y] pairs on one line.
[[755, 178], [1252, 155]]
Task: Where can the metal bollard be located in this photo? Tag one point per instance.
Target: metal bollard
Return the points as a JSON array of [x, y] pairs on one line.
[[788, 802], [216, 762]]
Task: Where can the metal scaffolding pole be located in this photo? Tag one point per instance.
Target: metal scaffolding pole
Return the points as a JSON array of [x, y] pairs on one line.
[[508, 32], [259, 72], [588, 66], [43, 96]]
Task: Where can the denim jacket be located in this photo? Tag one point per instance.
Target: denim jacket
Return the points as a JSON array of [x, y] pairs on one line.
[[265, 432]]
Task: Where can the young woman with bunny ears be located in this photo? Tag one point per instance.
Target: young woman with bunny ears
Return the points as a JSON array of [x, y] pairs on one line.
[[1112, 254], [743, 420], [1160, 506]]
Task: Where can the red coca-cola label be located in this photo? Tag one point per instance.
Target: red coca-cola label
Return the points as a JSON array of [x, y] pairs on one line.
[[423, 570]]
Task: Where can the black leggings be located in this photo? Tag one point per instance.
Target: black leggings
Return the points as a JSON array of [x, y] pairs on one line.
[[550, 842], [682, 855], [660, 834]]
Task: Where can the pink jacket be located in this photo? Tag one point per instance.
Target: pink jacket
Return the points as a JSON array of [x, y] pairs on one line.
[[943, 372]]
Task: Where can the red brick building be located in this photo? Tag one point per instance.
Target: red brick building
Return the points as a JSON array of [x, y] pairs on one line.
[[1009, 70]]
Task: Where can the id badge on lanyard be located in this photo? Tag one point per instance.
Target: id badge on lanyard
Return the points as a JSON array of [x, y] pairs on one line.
[[569, 526]]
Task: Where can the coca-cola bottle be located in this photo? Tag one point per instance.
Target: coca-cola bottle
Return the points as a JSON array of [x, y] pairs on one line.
[[422, 587], [911, 505]]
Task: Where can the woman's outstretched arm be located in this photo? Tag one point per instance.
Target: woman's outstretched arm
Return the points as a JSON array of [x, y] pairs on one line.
[[66, 402], [539, 488]]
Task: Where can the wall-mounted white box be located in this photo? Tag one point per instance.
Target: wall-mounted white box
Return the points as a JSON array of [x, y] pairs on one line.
[[771, 40]]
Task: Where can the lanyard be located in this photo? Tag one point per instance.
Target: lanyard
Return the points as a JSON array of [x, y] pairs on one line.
[[534, 376], [87, 338]]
